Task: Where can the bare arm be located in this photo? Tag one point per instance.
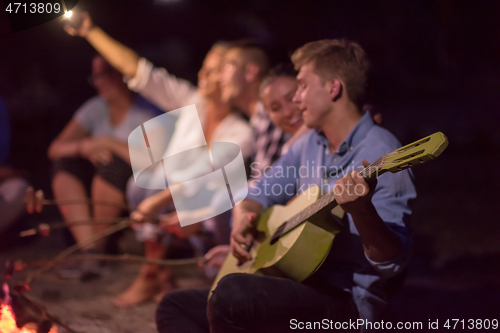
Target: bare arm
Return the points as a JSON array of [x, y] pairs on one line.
[[124, 59], [244, 220], [68, 142], [149, 207], [74, 141], [118, 148], [157, 85]]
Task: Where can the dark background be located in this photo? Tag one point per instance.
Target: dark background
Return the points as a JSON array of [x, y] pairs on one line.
[[435, 68]]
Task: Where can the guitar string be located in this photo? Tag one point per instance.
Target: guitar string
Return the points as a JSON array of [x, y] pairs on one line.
[[325, 200]]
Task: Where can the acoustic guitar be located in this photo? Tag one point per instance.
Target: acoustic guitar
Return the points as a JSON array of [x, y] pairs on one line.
[[294, 240]]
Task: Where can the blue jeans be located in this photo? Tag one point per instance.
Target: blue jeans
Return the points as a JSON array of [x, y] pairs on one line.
[[252, 303]]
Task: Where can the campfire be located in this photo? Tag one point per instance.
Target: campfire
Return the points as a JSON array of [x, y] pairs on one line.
[[16, 311], [8, 322]]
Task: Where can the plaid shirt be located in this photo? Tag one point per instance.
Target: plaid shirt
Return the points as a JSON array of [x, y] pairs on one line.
[[268, 142]]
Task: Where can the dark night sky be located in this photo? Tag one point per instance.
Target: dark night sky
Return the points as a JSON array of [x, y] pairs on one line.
[[435, 63]]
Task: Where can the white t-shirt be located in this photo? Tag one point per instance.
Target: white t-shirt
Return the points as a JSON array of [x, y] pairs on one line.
[[170, 93], [93, 116]]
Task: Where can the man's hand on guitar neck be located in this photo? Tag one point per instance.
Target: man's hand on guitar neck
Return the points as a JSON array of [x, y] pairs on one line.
[[353, 193], [354, 196], [244, 220]]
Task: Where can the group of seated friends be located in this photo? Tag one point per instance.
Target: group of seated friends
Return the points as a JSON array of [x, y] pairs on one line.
[[287, 116]]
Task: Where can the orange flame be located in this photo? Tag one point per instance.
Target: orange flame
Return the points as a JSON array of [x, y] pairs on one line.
[[8, 322]]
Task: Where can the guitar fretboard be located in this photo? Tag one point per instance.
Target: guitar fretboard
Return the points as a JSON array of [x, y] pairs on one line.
[[369, 172]]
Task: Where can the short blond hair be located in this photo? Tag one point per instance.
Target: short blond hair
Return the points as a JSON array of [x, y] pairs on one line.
[[221, 46], [253, 52], [337, 58]]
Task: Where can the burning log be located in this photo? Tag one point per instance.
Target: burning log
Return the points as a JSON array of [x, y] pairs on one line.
[[19, 314]]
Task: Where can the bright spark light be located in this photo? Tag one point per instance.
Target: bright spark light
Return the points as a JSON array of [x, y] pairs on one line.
[[68, 13]]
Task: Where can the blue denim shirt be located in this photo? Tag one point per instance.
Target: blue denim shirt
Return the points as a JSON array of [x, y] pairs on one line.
[[347, 266]]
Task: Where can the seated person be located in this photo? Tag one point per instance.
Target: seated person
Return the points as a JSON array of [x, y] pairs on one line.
[[220, 124], [12, 185], [243, 68], [374, 241], [91, 157], [276, 92]]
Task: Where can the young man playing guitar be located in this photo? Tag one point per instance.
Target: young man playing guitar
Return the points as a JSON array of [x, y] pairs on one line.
[[373, 243]]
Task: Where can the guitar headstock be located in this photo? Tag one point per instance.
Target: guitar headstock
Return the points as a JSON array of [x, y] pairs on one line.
[[415, 153]]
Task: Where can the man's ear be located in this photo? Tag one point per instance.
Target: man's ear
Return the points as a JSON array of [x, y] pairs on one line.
[[251, 72], [336, 88]]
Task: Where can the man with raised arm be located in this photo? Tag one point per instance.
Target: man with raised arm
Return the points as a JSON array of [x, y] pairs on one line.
[[244, 66], [170, 93], [374, 242]]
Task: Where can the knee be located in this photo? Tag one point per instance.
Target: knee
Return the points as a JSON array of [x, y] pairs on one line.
[[168, 310], [166, 303], [229, 288], [12, 194], [232, 290], [59, 175]]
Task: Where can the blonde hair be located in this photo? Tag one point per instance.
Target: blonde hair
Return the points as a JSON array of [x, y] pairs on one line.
[[253, 52], [337, 58]]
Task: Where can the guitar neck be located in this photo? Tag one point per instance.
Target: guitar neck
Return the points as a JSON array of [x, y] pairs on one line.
[[415, 153], [369, 173]]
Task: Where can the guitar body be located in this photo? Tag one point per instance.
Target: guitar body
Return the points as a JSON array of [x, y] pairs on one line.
[[298, 253], [303, 230]]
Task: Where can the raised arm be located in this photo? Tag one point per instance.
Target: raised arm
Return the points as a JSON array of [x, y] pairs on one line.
[[118, 55], [155, 84]]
